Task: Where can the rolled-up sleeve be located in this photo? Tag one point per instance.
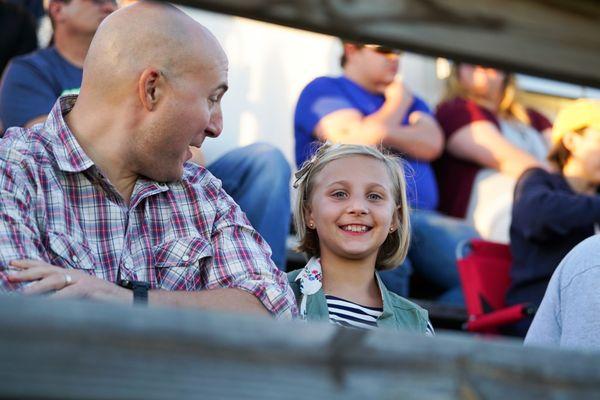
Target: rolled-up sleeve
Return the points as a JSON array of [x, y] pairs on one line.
[[242, 260], [18, 231]]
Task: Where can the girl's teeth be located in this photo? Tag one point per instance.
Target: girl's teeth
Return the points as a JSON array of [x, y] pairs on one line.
[[355, 228]]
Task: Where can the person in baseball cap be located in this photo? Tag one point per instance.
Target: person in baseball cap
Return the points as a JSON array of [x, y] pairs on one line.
[[554, 211], [576, 125]]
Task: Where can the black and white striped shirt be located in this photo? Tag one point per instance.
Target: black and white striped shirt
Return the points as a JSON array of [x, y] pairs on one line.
[[346, 313]]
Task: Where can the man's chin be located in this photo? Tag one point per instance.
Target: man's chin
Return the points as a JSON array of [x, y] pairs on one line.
[[165, 177]]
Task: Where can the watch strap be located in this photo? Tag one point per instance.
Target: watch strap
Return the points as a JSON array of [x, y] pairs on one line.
[[139, 288]]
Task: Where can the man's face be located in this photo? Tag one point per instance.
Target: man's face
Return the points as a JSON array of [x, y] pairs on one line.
[[190, 111], [377, 65], [82, 16]]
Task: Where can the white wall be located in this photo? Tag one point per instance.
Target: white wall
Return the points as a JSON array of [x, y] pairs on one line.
[[269, 66]]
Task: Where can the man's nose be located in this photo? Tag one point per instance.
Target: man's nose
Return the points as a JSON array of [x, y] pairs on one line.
[[215, 127]]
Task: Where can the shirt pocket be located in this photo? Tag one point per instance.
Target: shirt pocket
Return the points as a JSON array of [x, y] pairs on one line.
[[178, 263], [68, 253]]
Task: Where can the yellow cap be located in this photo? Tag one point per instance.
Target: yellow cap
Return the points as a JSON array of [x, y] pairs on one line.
[[580, 114]]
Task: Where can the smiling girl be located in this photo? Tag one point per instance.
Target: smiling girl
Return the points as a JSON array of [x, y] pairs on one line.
[[351, 216]]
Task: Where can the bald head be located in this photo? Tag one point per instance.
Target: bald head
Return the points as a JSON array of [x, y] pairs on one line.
[[152, 85], [146, 35]]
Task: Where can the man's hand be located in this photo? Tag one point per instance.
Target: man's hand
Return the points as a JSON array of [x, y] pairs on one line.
[[65, 283], [398, 95]]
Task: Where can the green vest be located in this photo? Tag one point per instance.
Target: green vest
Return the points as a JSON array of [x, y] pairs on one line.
[[398, 313]]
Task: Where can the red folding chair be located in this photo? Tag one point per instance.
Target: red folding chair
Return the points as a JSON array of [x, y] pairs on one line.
[[484, 269]]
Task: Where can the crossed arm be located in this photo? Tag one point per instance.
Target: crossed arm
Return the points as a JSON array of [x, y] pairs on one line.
[[482, 143], [421, 139]]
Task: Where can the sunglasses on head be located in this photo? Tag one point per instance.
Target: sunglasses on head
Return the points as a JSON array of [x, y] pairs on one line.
[[382, 49]]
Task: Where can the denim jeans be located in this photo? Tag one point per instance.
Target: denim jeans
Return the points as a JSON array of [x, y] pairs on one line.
[[257, 177], [397, 280], [433, 254]]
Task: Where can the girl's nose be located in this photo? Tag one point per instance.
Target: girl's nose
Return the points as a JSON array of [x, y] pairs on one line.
[[358, 208]]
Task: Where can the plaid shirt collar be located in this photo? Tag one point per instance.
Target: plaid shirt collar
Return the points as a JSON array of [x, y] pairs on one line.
[[69, 154], [71, 157]]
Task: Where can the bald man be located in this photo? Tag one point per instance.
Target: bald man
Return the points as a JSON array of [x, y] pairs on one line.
[[99, 202], [257, 176]]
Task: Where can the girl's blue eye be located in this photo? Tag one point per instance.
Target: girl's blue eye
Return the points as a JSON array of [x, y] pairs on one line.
[[374, 196], [339, 194]]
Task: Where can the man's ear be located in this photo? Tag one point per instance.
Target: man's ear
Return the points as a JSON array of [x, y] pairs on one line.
[[350, 49], [54, 9], [149, 88]]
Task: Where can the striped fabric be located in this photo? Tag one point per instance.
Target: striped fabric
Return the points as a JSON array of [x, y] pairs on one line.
[[429, 330], [349, 314], [189, 235], [346, 313]]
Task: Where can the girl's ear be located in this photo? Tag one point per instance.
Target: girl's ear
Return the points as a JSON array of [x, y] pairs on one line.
[[396, 219], [308, 218]]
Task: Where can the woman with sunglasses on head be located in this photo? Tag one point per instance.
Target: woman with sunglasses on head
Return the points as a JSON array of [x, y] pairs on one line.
[[490, 140]]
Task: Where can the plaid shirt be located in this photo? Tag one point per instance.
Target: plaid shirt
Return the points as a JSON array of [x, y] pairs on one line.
[[56, 206]]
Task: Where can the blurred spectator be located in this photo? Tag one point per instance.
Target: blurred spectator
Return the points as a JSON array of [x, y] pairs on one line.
[[33, 82], [367, 105], [17, 32], [490, 140], [553, 212], [33, 7], [568, 315]]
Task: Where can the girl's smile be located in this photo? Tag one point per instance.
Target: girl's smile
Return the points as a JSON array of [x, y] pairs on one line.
[[352, 208]]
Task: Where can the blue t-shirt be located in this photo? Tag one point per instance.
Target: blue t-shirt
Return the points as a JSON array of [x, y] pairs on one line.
[[32, 83], [325, 95]]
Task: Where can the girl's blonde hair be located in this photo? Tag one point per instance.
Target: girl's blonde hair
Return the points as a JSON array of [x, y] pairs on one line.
[[509, 107], [393, 251]]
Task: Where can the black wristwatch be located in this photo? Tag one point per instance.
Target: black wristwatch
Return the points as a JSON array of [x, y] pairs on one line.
[[140, 290]]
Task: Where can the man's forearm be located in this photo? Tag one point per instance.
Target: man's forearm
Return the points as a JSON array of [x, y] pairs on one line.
[[391, 113], [233, 300], [422, 140]]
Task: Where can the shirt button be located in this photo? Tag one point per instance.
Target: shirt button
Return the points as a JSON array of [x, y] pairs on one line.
[[185, 258], [75, 258]]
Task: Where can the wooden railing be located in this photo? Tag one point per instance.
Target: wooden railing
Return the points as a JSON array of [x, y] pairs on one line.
[[558, 39], [81, 350]]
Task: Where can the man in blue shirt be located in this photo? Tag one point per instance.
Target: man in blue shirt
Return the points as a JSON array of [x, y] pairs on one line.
[[368, 105], [32, 83], [256, 176]]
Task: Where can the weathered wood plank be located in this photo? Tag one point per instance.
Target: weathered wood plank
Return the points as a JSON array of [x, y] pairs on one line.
[[80, 350], [557, 39]]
